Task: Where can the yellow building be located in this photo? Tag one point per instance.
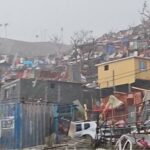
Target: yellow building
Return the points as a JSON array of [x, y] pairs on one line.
[[123, 71]]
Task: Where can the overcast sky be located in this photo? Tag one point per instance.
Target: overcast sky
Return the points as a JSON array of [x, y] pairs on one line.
[[26, 18]]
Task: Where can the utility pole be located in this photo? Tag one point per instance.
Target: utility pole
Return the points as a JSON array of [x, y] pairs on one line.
[[62, 35], [37, 37], [5, 28], [114, 80], [100, 95], [0, 26]]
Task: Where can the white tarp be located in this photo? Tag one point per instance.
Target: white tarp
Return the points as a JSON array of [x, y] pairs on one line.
[[113, 102]]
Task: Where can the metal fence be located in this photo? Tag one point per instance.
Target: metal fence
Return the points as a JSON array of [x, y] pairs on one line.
[[9, 126], [27, 124], [35, 123]]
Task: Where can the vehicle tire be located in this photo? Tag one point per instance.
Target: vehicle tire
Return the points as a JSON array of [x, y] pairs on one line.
[[94, 144], [88, 139]]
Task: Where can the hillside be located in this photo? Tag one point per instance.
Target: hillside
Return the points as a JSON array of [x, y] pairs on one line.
[[9, 46]]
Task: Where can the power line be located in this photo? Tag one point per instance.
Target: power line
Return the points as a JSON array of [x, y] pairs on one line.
[[124, 76], [120, 74], [124, 73]]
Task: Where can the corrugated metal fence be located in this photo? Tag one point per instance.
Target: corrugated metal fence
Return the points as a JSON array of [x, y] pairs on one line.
[[9, 122], [27, 124], [35, 123]]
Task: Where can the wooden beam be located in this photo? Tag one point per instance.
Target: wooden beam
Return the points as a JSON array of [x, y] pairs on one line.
[[117, 92], [141, 89]]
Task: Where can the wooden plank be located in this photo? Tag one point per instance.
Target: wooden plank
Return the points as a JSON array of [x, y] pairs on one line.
[[141, 89]]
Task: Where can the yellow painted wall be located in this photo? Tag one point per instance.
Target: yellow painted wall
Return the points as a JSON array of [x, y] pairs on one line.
[[142, 73], [124, 72]]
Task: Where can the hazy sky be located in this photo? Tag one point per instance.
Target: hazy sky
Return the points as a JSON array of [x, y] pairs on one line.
[[26, 18]]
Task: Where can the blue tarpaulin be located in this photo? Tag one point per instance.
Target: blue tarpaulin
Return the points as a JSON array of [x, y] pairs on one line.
[[125, 41], [28, 63], [110, 48]]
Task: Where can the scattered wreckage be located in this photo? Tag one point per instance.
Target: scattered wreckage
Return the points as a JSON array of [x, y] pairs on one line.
[[119, 138], [96, 135], [133, 141], [138, 139]]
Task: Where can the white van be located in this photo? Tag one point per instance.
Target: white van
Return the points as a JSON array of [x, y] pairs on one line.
[[87, 129], [83, 129]]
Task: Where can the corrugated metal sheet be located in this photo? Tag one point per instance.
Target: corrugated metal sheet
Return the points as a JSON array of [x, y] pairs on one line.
[[35, 123], [9, 126], [27, 124], [24, 125]]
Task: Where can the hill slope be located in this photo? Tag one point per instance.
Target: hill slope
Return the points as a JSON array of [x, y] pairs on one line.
[[9, 46]]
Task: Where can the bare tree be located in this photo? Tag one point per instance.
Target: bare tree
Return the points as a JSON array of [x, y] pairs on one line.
[[145, 12], [81, 37], [145, 19], [57, 41]]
